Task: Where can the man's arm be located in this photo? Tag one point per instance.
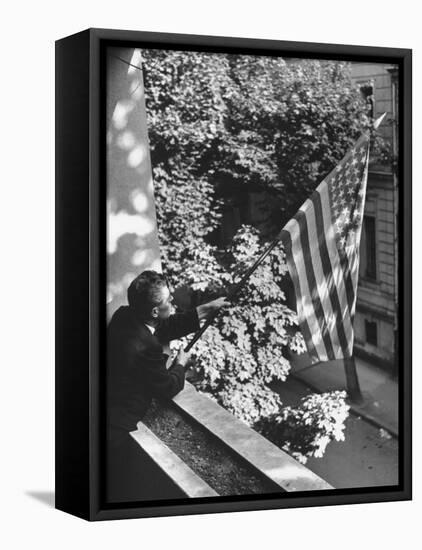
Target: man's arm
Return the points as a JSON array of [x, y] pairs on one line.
[[178, 325], [161, 382], [182, 324]]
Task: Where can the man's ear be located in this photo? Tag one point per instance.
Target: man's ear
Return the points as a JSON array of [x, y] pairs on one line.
[[154, 312]]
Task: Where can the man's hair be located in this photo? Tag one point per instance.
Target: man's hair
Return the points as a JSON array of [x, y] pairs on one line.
[[145, 292]]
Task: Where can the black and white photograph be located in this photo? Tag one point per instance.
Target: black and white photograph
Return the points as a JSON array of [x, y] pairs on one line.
[[252, 275], [210, 303]]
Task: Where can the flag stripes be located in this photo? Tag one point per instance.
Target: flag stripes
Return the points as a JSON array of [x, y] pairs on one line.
[[313, 276], [333, 275], [321, 261], [303, 321]]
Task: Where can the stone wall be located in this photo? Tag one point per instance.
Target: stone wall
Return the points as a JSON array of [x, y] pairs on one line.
[[132, 241]]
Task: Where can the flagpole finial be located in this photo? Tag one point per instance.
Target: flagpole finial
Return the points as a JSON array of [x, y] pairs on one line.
[[378, 122]]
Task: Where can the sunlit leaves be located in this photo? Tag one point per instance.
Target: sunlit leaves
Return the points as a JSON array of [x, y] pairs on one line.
[[307, 429], [245, 349]]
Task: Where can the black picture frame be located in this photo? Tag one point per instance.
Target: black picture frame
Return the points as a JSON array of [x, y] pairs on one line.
[[80, 272]]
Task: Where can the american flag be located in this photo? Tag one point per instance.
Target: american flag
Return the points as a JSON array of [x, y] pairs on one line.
[[322, 247]]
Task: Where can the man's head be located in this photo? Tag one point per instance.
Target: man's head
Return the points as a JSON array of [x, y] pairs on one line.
[[149, 296]]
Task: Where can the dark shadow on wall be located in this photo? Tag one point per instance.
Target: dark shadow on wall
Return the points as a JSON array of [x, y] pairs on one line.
[[45, 497]]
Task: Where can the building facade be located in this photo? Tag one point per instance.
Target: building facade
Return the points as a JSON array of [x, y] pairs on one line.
[[376, 310]]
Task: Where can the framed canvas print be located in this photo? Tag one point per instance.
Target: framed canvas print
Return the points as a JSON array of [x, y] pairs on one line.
[[233, 274]]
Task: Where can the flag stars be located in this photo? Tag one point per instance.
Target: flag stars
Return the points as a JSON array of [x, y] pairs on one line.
[[343, 241], [347, 194]]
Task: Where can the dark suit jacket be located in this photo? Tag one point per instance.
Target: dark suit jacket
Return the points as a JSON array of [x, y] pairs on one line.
[[136, 367]]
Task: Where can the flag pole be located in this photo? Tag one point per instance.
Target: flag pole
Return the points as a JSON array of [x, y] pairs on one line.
[[235, 289], [352, 380]]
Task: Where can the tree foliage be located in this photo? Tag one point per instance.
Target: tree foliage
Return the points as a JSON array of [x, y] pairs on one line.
[[219, 123], [321, 419], [245, 349]]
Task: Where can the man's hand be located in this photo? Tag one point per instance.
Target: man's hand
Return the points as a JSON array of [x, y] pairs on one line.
[[205, 310], [183, 358]]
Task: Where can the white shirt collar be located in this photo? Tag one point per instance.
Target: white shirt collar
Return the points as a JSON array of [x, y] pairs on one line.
[[152, 329]]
